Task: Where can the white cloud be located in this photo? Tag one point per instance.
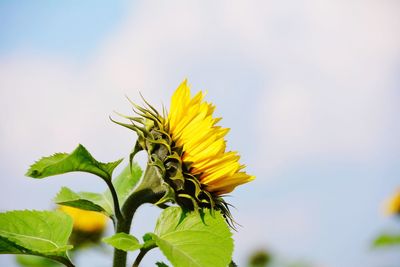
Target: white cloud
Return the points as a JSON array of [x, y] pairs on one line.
[[331, 91], [328, 66]]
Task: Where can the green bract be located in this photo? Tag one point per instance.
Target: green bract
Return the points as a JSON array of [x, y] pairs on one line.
[[179, 184]]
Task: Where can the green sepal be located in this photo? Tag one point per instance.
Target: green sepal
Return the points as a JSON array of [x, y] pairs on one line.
[[155, 111], [79, 160], [136, 150], [162, 142], [197, 188], [195, 207], [175, 156], [156, 161], [169, 195], [175, 173]]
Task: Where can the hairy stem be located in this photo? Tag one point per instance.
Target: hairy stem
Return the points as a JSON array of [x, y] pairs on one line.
[[137, 199], [149, 191]]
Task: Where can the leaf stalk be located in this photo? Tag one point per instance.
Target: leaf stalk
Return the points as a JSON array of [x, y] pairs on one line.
[[140, 256]]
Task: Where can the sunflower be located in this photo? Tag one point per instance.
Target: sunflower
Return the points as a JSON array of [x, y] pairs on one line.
[[188, 149], [393, 204]]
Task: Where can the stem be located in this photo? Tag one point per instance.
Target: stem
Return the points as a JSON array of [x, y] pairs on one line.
[[149, 190], [114, 195], [123, 226], [140, 256], [64, 261], [120, 255]]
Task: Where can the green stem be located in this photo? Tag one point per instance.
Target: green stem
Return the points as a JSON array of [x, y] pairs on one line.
[[114, 195], [140, 256], [120, 255], [149, 191], [137, 199]]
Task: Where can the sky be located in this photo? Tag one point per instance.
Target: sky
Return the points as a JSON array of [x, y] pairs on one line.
[[309, 88]]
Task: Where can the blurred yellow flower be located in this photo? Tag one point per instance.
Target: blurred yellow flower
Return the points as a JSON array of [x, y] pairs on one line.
[[192, 126], [392, 206], [86, 221]]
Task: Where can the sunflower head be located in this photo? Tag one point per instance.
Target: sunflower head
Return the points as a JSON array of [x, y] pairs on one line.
[[392, 206], [188, 149], [88, 226]]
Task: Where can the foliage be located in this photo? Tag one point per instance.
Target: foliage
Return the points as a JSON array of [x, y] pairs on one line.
[[387, 240], [193, 232], [186, 239], [124, 184], [79, 160], [123, 242], [192, 239], [35, 261], [42, 233], [201, 238]]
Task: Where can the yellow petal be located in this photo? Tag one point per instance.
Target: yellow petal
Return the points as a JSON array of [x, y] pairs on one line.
[[192, 126]]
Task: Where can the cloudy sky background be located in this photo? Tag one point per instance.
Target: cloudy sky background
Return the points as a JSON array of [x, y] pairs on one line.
[[310, 90]]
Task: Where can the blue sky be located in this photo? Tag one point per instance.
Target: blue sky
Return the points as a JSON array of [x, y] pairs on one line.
[[309, 89], [70, 28]]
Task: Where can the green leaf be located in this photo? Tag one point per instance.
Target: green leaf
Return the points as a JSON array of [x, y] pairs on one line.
[[35, 261], [42, 233], [194, 240], [9, 247], [83, 200], [387, 240], [125, 182], [79, 160], [123, 242]]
